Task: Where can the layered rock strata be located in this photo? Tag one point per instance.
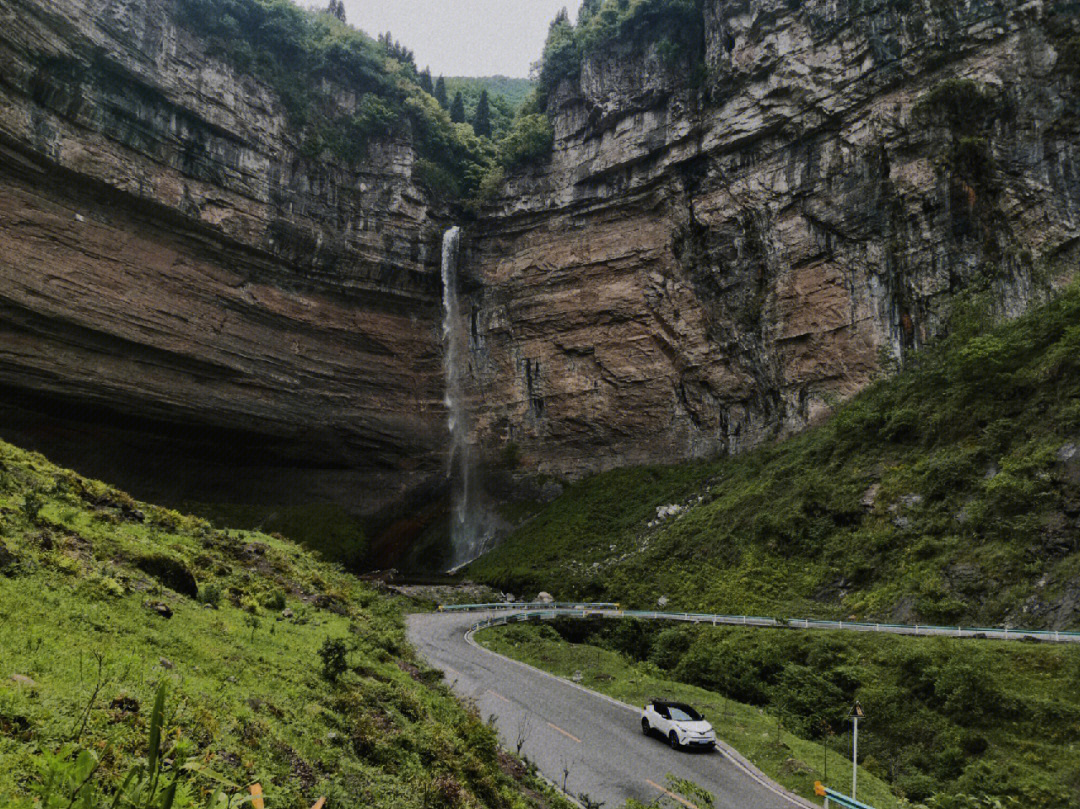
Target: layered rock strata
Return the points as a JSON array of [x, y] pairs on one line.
[[700, 269], [179, 280]]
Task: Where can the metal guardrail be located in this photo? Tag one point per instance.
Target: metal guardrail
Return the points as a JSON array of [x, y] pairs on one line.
[[834, 798], [609, 610], [530, 605]]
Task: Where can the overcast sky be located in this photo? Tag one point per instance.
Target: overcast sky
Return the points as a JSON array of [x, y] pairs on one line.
[[463, 37]]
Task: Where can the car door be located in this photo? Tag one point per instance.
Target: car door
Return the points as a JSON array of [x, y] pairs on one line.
[[663, 721]]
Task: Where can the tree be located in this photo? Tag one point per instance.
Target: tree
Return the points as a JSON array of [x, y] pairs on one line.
[[588, 10], [337, 9], [482, 118], [457, 109], [440, 93], [561, 58], [425, 82], [395, 50]]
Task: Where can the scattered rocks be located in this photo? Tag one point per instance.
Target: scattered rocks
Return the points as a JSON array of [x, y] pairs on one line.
[[545, 598], [122, 708], [663, 512], [1068, 453], [662, 601], [166, 664], [793, 766], [287, 613], [129, 513], [329, 603], [23, 680], [869, 497], [160, 607]]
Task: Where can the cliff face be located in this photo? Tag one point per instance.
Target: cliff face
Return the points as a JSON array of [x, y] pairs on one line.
[[179, 284], [187, 299], [698, 270]]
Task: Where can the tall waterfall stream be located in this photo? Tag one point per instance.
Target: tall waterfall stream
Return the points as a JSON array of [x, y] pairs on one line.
[[465, 520]]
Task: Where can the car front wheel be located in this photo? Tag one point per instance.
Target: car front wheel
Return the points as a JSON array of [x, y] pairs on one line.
[[645, 726], [674, 741]]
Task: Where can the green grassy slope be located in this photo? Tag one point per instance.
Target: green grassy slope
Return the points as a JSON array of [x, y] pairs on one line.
[[102, 599], [949, 493]]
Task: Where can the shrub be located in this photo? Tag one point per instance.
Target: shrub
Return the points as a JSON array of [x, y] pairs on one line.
[[210, 594], [334, 655], [961, 104], [32, 505], [530, 140]]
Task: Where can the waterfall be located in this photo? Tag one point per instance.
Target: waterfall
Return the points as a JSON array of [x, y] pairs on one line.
[[464, 525]]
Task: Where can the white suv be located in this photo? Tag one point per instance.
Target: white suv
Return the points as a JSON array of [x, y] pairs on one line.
[[677, 722]]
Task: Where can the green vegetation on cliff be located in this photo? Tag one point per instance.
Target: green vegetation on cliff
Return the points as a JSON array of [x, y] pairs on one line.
[[957, 724], [341, 88], [675, 27], [950, 493], [505, 95], [277, 668]]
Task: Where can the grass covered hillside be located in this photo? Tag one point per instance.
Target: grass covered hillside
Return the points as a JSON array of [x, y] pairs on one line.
[[948, 493], [271, 667]]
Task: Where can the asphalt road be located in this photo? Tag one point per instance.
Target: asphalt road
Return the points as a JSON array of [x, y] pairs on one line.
[[594, 742]]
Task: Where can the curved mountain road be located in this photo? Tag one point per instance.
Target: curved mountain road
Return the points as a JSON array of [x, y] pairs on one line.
[[593, 741]]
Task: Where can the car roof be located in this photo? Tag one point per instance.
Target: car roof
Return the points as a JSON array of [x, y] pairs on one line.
[[670, 703]]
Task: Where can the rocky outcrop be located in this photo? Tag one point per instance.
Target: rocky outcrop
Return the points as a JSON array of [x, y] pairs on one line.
[[701, 269], [183, 290]]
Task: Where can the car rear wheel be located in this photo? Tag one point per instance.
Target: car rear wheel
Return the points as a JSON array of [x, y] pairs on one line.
[[674, 741], [645, 726]]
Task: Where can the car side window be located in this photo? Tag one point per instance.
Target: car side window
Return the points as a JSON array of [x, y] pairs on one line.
[[663, 711]]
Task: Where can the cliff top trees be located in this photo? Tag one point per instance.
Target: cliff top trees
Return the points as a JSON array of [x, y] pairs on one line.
[[457, 110], [482, 119], [336, 9], [440, 93], [425, 81], [675, 27]]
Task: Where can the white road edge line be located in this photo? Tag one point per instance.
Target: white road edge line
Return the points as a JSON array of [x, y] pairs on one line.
[[733, 755]]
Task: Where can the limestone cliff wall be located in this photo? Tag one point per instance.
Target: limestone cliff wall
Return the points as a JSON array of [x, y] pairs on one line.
[[700, 269], [188, 300], [177, 281]]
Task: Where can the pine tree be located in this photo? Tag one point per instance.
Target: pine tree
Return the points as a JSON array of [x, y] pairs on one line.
[[482, 118], [425, 81], [440, 93], [336, 9], [457, 110]]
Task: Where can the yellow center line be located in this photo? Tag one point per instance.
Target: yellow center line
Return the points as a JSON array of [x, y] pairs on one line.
[[564, 733], [672, 795], [452, 671], [496, 695]]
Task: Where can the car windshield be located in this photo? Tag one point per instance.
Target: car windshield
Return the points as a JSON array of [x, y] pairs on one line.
[[684, 713]]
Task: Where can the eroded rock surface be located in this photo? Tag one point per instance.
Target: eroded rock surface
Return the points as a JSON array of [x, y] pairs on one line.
[[697, 271], [177, 280]]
